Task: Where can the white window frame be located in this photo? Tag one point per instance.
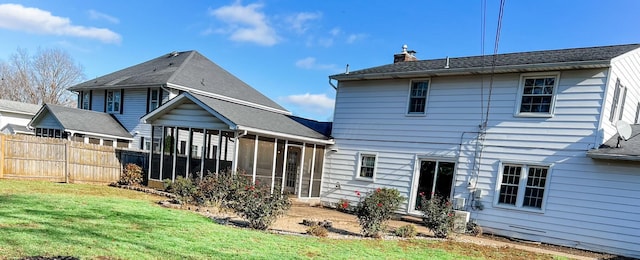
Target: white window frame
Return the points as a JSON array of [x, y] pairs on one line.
[[157, 98], [615, 101], [637, 118], [426, 98], [552, 105], [522, 184], [114, 108], [359, 166], [623, 100], [85, 100]]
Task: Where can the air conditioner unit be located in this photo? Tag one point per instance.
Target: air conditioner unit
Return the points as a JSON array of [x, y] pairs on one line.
[[460, 220], [459, 203]]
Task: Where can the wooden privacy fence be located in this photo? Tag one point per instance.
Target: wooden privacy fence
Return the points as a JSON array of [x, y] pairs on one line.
[[29, 157]]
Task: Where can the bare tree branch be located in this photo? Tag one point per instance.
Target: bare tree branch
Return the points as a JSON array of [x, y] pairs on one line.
[[43, 78]]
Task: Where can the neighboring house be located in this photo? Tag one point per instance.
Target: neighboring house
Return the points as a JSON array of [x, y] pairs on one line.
[[529, 168], [14, 116], [196, 118], [80, 125]]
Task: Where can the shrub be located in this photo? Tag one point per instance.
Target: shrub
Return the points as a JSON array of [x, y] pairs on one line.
[[259, 206], [474, 229], [406, 231], [376, 209], [183, 188], [131, 175], [438, 215], [344, 205], [318, 231], [213, 189]]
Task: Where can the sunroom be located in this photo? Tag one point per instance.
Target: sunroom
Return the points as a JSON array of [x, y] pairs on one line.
[[195, 135]]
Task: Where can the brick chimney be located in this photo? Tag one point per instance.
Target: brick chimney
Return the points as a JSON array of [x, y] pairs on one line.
[[405, 55]]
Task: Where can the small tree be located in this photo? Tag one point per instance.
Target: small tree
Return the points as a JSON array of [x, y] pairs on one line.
[[376, 209], [437, 215]]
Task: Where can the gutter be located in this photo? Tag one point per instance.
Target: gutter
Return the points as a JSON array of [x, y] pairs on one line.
[[475, 70], [98, 134], [143, 85], [616, 157], [287, 136]]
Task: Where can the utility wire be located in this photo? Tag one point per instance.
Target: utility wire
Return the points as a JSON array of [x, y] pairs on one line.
[[485, 119]]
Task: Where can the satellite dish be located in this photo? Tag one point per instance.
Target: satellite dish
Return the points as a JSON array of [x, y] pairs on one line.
[[624, 131]]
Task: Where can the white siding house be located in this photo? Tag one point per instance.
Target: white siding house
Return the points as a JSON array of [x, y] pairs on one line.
[[196, 118], [521, 169], [14, 116]]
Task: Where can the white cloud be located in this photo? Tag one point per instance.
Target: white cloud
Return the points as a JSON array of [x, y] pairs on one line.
[[335, 32], [355, 37], [299, 21], [310, 63], [325, 42], [95, 15], [34, 20], [246, 23], [315, 103]]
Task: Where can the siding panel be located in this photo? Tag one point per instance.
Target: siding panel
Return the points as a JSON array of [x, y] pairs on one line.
[[371, 116]]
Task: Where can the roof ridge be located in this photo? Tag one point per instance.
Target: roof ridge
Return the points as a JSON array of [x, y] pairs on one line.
[[182, 65], [528, 52]]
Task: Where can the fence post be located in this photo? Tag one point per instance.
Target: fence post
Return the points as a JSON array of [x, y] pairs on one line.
[[3, 144], [66, 162]]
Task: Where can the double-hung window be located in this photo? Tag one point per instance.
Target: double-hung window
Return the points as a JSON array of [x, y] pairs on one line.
[[113, 101], [537, 94], [366, 166], [418, 97], [85, 99], [155, 97], [637, 118], [619, 89], [522, 186]]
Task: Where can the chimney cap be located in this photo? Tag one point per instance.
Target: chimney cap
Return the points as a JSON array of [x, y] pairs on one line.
[[405, 55]]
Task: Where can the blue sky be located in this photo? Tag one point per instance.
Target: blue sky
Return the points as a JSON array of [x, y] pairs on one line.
[[287, 49]]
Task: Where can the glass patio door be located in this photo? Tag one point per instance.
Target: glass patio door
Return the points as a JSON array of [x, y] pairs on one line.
[[434, 177]]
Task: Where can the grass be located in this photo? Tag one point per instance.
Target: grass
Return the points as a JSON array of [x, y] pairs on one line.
[[88, 221]]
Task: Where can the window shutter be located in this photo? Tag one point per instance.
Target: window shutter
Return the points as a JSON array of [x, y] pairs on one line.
[[148, 98], [90, 99], [105, 101], [121, 100], [80, 95], [141, 142]]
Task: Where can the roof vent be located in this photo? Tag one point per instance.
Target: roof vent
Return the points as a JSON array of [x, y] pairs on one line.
[[173, 54]]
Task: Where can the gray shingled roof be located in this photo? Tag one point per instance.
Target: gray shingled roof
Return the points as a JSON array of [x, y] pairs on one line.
[[553, 59], [189, 69], [18, 107], [260, 119], [17, 129], [628, 151], [86, 121]]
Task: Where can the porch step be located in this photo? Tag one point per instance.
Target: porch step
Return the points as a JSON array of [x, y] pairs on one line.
[[304, 202], [411, 219]]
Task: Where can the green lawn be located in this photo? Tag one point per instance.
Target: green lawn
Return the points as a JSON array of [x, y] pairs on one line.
[[88, 221]]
